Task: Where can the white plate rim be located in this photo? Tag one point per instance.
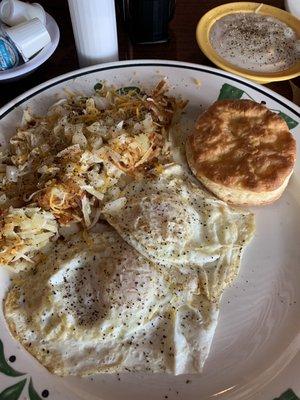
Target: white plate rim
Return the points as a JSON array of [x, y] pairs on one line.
[[147, 62]]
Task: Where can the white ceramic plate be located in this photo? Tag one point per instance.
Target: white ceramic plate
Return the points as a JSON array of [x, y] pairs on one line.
[[39, 59], [255, 351]]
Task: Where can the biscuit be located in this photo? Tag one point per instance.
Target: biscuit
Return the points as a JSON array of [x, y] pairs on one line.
[[242, 152]]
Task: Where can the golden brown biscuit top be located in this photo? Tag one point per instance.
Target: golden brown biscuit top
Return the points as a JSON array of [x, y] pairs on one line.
[[242, 144]]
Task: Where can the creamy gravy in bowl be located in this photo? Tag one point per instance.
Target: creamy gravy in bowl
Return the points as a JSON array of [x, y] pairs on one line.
[[255, 42]]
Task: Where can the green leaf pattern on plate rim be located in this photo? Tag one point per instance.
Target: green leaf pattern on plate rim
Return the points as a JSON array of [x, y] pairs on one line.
[[13, 392], [4, 367], [128, 89], [291, 123], [288, 395], [32, 392], [227, 92]]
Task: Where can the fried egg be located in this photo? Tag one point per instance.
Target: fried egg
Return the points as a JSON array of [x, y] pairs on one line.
[[96, 305], [171, 221]]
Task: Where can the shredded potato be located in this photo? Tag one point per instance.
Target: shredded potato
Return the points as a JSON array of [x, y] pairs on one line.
[[24, 231], [62, 200], [79, 155]]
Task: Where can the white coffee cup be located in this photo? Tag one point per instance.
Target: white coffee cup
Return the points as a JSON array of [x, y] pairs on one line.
[[29, 37], [14, 12]]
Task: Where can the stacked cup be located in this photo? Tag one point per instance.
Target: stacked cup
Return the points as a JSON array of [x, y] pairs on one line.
[[24, 34]]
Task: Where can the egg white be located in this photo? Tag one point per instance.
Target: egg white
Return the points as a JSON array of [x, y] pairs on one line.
[[171, 221], [95, 305]]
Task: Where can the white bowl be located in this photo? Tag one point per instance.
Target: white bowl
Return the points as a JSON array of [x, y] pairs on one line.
[[293, 7], [39, 59]]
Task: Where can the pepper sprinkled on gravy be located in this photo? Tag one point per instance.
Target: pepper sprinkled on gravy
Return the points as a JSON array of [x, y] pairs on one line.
[[255, 42]]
